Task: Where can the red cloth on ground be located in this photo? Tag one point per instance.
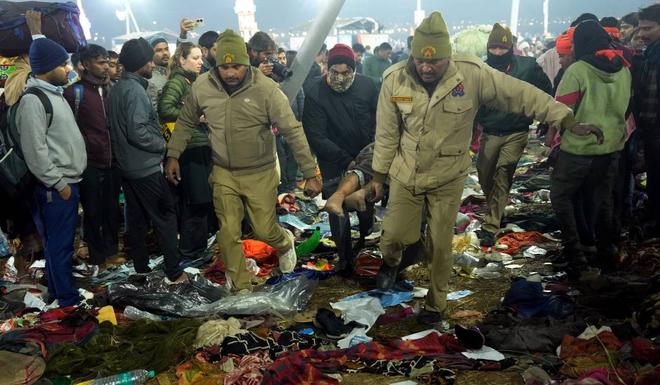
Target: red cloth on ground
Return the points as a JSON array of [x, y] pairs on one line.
[[61, 325], [516, 241], [580, 356], [649, 378], [367, 264], [216, 273], [608, 376], [248, 369], [644, 350]]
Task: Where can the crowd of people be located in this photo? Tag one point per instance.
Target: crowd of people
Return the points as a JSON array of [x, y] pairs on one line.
[[202, 141]]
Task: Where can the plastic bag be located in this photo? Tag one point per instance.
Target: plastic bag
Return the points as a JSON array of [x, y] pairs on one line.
[[490, 271], [152, 294], [135, 314], [282, 299], [4, 245]]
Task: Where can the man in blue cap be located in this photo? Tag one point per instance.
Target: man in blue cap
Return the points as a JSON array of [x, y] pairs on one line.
[[54, 151]]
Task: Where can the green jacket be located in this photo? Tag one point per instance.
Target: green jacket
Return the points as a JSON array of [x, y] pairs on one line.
[[502, 123], [240, 124], [375, 67], [599, 98], [423, 142], [172, 100]]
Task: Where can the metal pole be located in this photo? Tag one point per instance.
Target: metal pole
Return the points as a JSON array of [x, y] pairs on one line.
[[546, 13], [515, 8], [310, 47]]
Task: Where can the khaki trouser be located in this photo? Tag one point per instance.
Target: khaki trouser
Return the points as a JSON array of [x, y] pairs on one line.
[[233, 196], [498, 157], [401, 228]]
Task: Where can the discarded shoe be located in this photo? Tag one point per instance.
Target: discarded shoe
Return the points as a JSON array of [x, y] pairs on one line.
[[470, 337], [331, 324], [288, 260], [486, 238], [430, 318]]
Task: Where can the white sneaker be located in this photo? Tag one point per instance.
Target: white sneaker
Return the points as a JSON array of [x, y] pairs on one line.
[[288, 260]]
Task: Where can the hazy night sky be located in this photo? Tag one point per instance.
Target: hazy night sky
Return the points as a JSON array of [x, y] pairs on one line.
[[284, 14]]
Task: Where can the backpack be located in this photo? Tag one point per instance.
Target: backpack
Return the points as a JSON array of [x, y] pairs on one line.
[[15, 176]]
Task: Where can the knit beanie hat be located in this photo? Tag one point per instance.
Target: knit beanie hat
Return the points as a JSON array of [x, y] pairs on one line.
[[582, 18], [589, 38], [156, 41], [431, 39], [230, 49], [135, 53], [341, 54], [500, 37], [46, 55], [564, 42]]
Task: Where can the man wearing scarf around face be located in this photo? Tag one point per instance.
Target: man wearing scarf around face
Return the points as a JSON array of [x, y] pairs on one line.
[[339, 118], [598, 88], [505, 134]]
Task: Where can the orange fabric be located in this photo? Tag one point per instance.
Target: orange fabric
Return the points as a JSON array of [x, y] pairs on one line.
[[614, 32], [564, 44], [257, 250], [264, 254], [516, 241], [610, 54]]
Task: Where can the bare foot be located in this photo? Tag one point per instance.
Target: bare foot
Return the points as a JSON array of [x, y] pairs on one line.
[[334, 205], [357, 200]]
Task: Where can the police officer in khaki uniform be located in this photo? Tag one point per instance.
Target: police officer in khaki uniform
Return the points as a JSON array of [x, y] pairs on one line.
[[425, 116], [241, 106], [505, 135]]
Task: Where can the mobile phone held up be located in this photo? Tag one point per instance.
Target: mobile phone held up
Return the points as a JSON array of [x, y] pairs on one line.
[[197, 23]]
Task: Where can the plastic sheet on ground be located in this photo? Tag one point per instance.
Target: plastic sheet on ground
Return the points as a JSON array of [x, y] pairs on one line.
[[364, 311], [201, 298], [152, 294], [282, 299]]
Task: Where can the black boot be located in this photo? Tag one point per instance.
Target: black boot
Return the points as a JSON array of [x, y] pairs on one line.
[[386, 277]]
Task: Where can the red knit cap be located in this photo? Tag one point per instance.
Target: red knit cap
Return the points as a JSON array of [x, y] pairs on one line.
[[341, 54]]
